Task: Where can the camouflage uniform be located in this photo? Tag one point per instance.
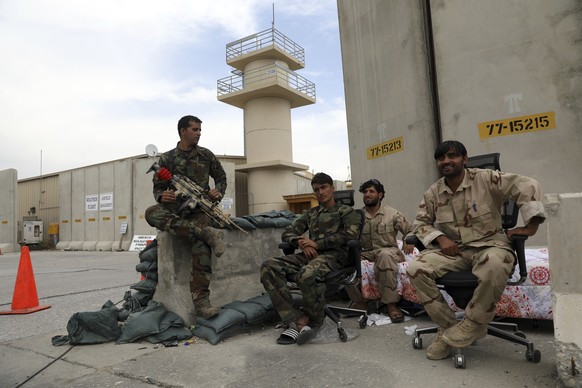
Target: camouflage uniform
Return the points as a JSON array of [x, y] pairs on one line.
[[198, 165], [380, 247], [471, 217], [330, 229]]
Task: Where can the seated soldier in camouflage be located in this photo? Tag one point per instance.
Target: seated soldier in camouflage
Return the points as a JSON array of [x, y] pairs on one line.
[[459, 220], [330, 226]]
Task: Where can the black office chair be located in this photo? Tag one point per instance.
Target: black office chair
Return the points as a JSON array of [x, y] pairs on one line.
[[460, 285], [347, 276]]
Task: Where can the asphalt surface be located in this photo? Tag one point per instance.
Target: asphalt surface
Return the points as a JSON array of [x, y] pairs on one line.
[[376, 356]]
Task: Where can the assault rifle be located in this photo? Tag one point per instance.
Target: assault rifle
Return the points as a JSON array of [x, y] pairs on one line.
[[194, 196]]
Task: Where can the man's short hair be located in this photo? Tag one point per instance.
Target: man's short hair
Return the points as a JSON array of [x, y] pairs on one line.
[[321, 179], [378, 186], [445, 146], [186, 120]]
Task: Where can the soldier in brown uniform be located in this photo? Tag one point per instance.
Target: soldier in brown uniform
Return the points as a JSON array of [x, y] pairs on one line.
[[459, 220], [379, 244], [198, 164]]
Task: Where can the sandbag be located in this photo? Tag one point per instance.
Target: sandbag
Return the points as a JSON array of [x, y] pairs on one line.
[[95, 327], [154, 319], [150, 252]]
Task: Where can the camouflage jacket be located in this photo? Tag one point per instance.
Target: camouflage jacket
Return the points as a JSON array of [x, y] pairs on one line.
[[198, 165], [380, 231], [329, 228], [472, 215]]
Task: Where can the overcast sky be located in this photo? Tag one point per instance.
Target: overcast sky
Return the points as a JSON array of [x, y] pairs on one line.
[[85, 82]]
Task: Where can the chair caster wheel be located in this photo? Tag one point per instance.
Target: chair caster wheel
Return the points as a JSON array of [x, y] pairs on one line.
[[417, 343], [363, 321], [519, 334], [460, 361], [534, 356], [342, 334]]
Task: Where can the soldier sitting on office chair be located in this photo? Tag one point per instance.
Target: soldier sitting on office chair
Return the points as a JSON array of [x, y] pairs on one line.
[[330, 226], [459, 220], [379, 245]]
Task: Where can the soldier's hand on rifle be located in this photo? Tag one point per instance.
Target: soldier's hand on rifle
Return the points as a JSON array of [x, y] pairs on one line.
[[168, 196], [214, 194]]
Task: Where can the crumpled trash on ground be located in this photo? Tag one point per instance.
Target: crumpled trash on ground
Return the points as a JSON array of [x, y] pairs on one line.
[[381, 319], [410, 330]]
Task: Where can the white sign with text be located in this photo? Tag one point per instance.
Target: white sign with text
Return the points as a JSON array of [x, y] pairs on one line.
[[91, 202], [140, 241]]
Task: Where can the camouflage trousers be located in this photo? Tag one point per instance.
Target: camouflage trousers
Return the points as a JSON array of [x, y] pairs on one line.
[[162, 218], [386, 271], [309, 275], [491, 265]]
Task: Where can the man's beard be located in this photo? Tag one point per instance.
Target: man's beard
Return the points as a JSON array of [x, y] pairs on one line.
[[371, 202]]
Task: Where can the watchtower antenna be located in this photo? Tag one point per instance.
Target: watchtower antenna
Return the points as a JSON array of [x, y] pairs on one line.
[[273, 19]]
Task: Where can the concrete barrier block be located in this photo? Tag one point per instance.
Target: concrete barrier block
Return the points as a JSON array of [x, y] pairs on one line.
[[104, 245], [235, 275], [174, 263], [76, 245], [6, 248], [89, 245]]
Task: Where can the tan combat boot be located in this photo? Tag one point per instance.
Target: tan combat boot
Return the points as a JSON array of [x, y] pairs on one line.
[[464, 333], [204, 309], [439, 349], [214, 238]]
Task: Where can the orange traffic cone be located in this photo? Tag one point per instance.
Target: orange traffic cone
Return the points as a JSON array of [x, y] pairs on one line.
[[25, 298]]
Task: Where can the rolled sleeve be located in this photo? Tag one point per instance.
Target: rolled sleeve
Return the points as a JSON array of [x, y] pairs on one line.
[[532, 209]]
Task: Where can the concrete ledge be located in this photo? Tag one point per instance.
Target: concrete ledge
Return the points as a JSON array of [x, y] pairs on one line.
[[235, 274]]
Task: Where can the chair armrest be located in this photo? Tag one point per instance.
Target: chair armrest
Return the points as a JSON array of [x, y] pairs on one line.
[[414, 240], [287, 248], [518, 242], [354, 248], [354, 251]]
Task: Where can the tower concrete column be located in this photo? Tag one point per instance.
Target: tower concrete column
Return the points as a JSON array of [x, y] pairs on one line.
[[268, 129]]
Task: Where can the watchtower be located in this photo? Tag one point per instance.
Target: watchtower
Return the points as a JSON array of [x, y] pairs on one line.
[[265, 85]]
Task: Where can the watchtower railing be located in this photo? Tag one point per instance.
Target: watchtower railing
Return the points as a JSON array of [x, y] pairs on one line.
[[235, 83], [264, 39]]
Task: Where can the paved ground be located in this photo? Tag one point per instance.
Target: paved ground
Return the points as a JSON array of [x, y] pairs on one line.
[[378, 356]]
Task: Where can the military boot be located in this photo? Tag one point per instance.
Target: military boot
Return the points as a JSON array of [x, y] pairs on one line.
[[204, 309], [439, 349], [214, 238], [464, 333]]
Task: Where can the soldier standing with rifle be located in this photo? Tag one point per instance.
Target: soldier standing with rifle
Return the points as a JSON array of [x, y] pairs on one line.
[[198, 164]]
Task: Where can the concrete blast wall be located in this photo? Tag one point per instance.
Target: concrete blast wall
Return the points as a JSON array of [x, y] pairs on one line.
[[96, 201], [564, 214], [8, 206], [506, 78]]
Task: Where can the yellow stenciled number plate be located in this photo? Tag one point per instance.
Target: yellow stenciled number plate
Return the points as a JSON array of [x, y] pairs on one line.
[[389, 147], [517, 125]]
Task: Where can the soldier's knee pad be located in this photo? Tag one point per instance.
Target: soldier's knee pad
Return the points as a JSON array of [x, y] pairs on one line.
[[149, 212]]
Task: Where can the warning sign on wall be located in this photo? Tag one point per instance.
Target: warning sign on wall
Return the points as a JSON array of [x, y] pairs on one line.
[[139, 241]]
